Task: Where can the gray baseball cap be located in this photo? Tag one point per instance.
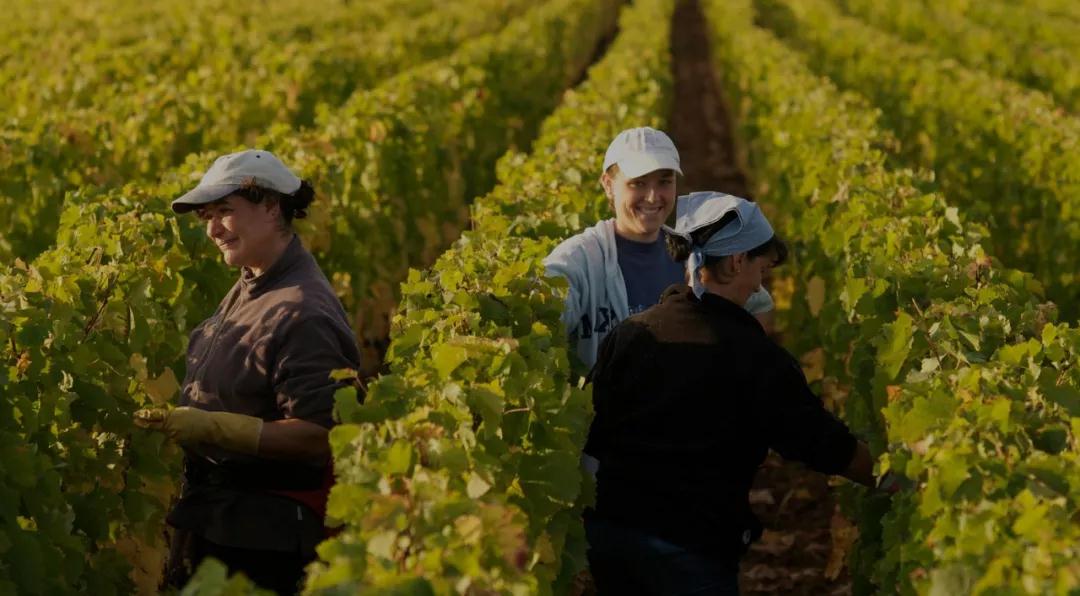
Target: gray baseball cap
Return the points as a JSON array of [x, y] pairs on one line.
[[641, 150], [253, 167]]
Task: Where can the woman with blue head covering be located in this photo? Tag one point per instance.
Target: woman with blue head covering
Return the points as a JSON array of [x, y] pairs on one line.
[[620, 266], [690, 395]]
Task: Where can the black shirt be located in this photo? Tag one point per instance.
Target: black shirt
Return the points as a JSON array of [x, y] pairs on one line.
[[689, 397], [647, 270]]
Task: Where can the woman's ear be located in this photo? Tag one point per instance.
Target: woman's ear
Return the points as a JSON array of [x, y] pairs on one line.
[[720, 272], [738, 262], [607, 183], [274, 211]]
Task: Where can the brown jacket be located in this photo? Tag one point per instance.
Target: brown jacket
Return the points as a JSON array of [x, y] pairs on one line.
[[268, 351]]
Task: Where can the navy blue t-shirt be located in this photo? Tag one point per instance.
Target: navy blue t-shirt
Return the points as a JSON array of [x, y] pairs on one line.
[[648, 270]]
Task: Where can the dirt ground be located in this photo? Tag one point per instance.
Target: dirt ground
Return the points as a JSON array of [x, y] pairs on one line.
[[794, 504]]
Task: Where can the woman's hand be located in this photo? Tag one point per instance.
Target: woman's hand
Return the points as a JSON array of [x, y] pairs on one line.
[[190, 426], [291, 439]]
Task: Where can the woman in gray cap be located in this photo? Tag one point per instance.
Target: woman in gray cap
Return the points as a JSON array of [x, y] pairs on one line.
[[257, 397], [690, 395]]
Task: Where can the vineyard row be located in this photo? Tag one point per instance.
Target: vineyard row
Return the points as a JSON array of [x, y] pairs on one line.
[[1004, 154], [1004, 40], [110, 113], [946, 361]]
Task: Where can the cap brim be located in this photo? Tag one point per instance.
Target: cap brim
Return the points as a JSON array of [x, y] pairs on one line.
[[202, 195], [639, 165]]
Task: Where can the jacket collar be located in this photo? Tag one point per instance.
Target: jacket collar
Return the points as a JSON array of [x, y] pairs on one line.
[[257, 284], [714, 304]]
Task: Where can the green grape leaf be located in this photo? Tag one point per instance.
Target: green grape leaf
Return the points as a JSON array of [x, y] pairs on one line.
[[447, 358], [895, 345], [400, 458]]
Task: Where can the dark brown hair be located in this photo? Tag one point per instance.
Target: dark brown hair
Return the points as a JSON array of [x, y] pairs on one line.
[[293, 206]]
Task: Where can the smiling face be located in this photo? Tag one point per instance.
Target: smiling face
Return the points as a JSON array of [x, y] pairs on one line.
[[248, 234], [641, 204]]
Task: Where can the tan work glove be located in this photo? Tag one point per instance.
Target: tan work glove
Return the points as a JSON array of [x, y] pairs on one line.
[[188, 426]]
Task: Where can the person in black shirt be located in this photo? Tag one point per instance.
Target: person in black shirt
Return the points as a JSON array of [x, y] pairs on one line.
[[689, 396]]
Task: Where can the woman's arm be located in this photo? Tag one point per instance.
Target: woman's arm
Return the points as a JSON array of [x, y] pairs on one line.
[[294, 439], [308, 353], [569, 262], [290, 439], [798, 425]]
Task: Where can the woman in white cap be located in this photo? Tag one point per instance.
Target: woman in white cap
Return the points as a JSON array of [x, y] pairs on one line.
[[690, 395], [620, 266], [257, 397]]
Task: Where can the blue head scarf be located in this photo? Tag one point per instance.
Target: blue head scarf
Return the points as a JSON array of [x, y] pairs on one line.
[[746, 232]]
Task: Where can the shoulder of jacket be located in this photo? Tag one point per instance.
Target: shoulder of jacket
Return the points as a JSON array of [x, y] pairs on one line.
[[594, 234], [579, 246], [302, 300]]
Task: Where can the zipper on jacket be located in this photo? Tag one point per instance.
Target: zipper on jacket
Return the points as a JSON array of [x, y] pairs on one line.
[[198, 376]]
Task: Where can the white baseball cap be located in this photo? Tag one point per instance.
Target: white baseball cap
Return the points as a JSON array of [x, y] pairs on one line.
[[253, 167], [641, 150]]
